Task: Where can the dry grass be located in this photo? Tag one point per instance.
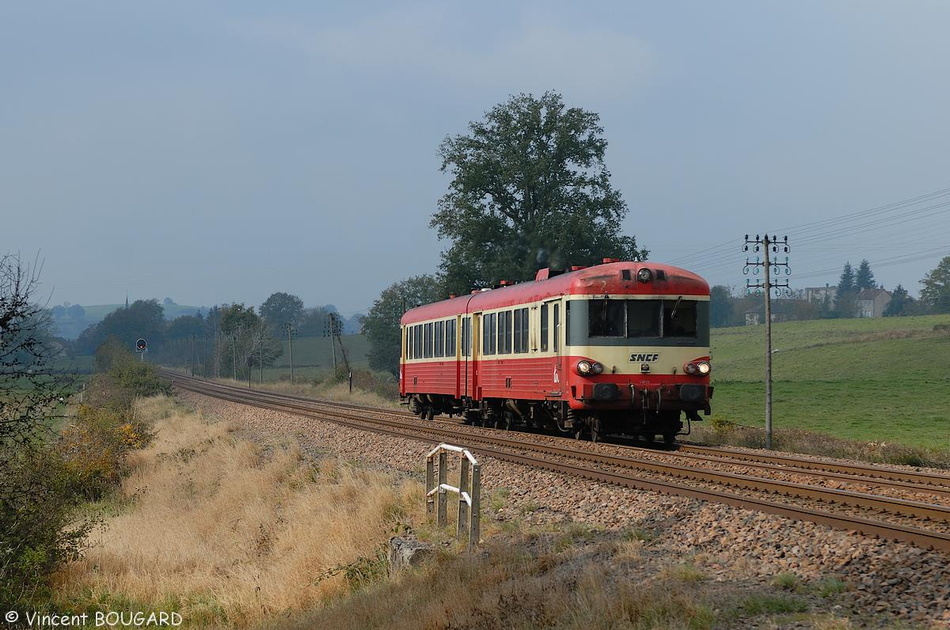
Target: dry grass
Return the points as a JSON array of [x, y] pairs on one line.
[[524, 583], [226, 531]]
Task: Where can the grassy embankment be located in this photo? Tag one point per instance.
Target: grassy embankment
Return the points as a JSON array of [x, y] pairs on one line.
[[226, 529], [881, 380]]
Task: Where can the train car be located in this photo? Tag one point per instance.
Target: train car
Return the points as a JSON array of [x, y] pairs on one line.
[[620, 347]]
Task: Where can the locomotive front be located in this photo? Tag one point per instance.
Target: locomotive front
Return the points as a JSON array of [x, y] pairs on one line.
[[638, 341]]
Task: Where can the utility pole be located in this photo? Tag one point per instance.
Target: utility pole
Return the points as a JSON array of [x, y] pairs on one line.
[[767, 245], [260, 343], [290, 345], [335, 329], [331, 333]]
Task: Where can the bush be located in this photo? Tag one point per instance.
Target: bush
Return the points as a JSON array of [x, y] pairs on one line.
[[94, 449], [42, 479], [35, 520]]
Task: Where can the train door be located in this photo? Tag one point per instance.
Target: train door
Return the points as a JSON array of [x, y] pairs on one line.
[[458, 354], [551, 344], [404, 335], [471, 324]]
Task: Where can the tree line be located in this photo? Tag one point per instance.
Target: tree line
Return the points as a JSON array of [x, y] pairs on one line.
[[229, 340], [841, 301]]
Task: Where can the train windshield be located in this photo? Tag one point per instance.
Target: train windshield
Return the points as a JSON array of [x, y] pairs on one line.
[[643, 318]]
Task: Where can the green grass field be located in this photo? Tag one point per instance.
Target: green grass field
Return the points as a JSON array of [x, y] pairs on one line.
[[313, 359], [873, 380], [317, 352]]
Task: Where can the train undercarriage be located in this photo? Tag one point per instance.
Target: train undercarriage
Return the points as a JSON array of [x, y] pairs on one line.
[[557, 416]]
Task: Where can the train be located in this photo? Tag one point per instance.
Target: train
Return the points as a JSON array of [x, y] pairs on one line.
[[619, 347]]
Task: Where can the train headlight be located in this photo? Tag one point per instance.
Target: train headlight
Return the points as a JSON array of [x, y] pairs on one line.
[[698, 368], [585, 367], [644, 275]]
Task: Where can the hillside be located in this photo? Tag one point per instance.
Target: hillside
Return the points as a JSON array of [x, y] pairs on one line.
[[862, 379], [318, 352]]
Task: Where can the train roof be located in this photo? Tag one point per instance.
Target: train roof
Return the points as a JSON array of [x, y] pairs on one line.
[[610, 278]]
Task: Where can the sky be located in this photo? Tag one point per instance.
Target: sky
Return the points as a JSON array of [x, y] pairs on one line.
[[218, 152]]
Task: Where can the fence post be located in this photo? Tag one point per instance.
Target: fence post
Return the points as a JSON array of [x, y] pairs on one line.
[[443, 478], [463, 504], [469, 491], [475, 535], [430, 482]]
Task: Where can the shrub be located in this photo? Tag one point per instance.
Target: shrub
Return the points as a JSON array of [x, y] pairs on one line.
[[35, 520], [94, 448]]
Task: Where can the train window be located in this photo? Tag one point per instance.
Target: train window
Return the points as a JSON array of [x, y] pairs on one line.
[[504, 332], [409, 341], [450, 338], [427, 341], [643, 318], [557, 327], [521, 330], [606, 318], [439, 349], [488, 334], [679, 318], [660, 318], [417, 341], [544, 328], [466, 336]]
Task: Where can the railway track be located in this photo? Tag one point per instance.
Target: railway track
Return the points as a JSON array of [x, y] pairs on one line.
[[873, 500]]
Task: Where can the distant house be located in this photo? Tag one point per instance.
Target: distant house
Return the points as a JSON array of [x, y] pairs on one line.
[[757, 316], [819, 295], [872, 302]]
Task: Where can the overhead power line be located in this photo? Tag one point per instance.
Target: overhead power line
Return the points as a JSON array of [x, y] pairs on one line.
[[930, 210]]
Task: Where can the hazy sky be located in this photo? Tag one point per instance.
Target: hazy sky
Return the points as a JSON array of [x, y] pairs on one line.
[[218, 152]]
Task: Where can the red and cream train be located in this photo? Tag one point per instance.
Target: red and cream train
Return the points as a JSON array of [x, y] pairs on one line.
[[621, 347]]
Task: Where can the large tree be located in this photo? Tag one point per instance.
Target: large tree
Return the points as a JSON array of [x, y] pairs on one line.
[[846, 296], [281, 310], [313, 322], [721, 304], [900, 303], [381, 324], [936, 292], [529, 189], [246, 341], [865, 277], [144, 318]]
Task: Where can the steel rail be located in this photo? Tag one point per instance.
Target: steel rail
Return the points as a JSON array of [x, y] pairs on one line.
[[881, 472]]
